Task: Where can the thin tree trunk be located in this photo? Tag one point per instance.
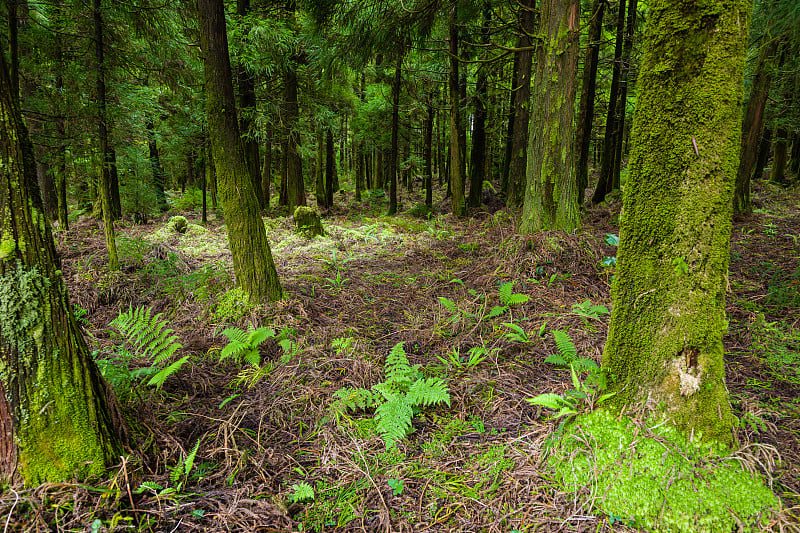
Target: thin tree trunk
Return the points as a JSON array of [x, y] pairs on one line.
[[764, 149], [266, 169], [330, 167], [621, 107], [605, 182], [319, 170], [456, 176], [517, 179], [105, 154], [507, 153], [247, 108], [583, 134], [780, 155], [427, 149], [398, 72], [752, 128], [252, 258], [478, 156]]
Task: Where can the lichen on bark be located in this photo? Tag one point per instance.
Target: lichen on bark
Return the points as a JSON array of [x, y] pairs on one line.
[[665, 339]]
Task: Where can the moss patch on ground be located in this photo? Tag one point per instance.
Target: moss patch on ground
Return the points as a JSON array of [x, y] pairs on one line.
[[657, 480]]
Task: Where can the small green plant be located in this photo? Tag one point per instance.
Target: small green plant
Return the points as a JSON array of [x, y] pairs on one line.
[[583, 392], [243, 345], [475, 356], [303, 492], [396, 399], [680, 266], [587, 310], [770, 230], [150, 338], [396, 485], [180, 473], [507, 299]]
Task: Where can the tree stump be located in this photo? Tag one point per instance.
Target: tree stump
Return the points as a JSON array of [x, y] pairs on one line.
[[308, 221]]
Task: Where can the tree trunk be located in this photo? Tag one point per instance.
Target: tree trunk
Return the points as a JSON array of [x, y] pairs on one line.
[[456, 175], [55, 422], [113, 185], [155, 167], [427, 152], [319, 170], [583, 136], [266, 169], [752, 128], [477, 164], [517, 178], [780, 155], [105, 152], [247, 108], [61, 134], [621, 106], [764, 149], [508, 151], [551, 201], [398, 72], [605, 182], [252, 258], [330, 167], [665, 339]]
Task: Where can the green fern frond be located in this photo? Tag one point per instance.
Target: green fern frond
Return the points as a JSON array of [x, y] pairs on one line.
[[429, 391], [556, 359], [394, 420], [565, 346], [509, 298], [150, 338], [387, 391], [243, 345], [448, 304], [397, 368], [353, 399], [159, 379]]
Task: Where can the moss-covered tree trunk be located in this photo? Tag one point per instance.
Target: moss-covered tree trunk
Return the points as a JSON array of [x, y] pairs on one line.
[[394, 151], [54, 418], [550, 198], [252, 258], [664, 345]]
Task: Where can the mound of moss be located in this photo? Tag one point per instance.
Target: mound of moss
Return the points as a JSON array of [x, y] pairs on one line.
[[657, 479]]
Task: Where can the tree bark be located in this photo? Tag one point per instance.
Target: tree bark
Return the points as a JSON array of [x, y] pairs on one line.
[[752, 128], [330, 167], [105, 152], [252, 258], [551, 201], [605, 182], [477, 164], [456, 175], [621, 107], [157, 171], [427, 152], [247, 108], [583, 135], [398, 73], [664, 344], [517, 178], [266, 169], [55, 421]]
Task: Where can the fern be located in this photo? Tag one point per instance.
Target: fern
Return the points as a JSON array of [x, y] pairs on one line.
[[150, 338], [243, 345], [394, 399], [509, 298], [566, 348]]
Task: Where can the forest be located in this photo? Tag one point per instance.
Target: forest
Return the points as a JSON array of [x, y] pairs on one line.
[[400, 266]]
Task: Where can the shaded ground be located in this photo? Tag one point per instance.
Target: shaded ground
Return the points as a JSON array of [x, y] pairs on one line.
[[473, 466]]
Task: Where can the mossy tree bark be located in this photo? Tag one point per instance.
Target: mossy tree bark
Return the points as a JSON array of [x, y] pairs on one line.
[[550, 198], [55, 421], [665, 340], [252, 258]]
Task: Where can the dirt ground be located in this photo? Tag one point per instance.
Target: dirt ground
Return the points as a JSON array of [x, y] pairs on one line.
[[476, 465]]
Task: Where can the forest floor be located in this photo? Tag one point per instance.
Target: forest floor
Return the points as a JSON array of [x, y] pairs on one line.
[[225, 446]]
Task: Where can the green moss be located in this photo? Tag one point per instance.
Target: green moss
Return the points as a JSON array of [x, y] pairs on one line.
[[659, 480], [178, 224], [232, 306], [308, 221], [7, 246], [21, 306]]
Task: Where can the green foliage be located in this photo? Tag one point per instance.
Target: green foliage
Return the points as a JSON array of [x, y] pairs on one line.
[[190, 200], [150, 338], [395, 399], [180, 473], [587, 310], [303, 492], [178, 224], [243, 345], [508, 299], [475, 356], [396, 485], [777, 346], [584, 392]]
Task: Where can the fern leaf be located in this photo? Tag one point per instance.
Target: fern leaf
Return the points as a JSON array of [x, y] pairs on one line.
[[585, 365], [497, 310], [252, 357], [517, 299], [159, 379], [397, 368], [236, 334], [556, 359], [234, 349], [565, 346], [259, 335], [386, 391], [504, 292], [430, 391], [549, 400], [394, 420], [448, 304], [353, 399]]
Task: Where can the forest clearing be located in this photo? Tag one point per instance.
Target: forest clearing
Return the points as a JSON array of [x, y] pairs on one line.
[[429, 265], [257, 433]]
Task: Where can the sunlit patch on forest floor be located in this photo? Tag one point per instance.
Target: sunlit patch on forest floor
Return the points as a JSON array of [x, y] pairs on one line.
[[223, 448]]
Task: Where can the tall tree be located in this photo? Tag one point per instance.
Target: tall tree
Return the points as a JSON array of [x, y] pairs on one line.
[[252, 257], [550, 198], [665, 340], [517, 177], [583, 135], [477, 165], [106, 201], [54, 418], [457, 178]]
